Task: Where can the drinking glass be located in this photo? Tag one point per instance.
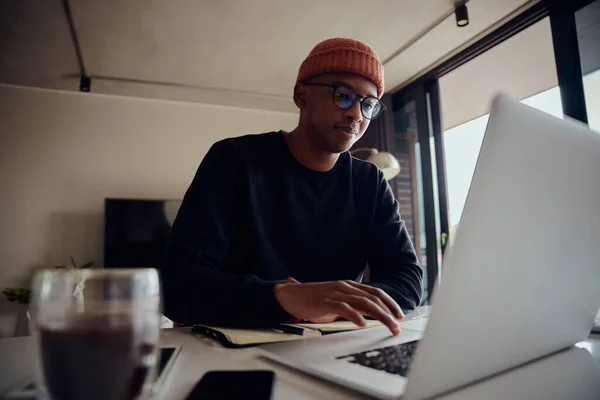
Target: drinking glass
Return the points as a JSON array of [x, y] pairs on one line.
[[96, 333]]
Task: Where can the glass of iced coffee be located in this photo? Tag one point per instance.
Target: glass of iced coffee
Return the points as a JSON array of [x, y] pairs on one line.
[[96, 333]]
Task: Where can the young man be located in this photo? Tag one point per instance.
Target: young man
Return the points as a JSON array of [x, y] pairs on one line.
[[278, 226]]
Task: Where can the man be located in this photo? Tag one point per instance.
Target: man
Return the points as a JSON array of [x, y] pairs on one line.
[[276, 227]]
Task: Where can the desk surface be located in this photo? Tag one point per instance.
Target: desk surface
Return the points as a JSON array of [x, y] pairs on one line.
[[573, 374]]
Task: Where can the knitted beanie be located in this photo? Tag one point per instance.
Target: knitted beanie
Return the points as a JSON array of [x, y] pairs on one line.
[[343, 55]]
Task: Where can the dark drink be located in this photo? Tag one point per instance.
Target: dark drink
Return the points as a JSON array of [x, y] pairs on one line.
[[97, 333], [96, 357]]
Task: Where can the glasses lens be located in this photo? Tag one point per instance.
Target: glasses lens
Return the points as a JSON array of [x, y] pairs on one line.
[[344, 97], [372, 107]]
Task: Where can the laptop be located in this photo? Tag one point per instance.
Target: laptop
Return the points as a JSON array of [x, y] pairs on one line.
[[521, 279]]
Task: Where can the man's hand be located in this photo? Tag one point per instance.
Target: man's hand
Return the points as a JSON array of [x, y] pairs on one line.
[[325, 302]]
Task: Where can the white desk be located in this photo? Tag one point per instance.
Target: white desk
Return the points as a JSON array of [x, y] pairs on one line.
[[198, 355], [574, 374]]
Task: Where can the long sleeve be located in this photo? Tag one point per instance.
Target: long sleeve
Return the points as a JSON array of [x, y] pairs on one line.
[[196, 289], [392, 259]]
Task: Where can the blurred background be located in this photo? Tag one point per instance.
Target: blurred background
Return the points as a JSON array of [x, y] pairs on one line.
[[107, 107]]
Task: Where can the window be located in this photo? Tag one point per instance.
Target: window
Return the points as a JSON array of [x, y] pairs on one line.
[[413, 132], [587, 21], [522, 66], [409, 184], [441, 117]]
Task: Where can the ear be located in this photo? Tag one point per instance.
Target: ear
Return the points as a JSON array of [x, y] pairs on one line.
[[300, 96]]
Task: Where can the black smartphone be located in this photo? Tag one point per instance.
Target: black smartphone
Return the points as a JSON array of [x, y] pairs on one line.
[[234, 385]]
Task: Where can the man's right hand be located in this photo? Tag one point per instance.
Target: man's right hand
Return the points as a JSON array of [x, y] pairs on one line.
[[324, 302]]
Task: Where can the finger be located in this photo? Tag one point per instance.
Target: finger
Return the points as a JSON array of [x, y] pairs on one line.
[[390, 303], [291, 280], [386, 298], [367, 307], [345, 311], [359, 291]]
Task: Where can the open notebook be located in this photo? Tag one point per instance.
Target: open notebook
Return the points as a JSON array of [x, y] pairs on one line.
[[232, 337]]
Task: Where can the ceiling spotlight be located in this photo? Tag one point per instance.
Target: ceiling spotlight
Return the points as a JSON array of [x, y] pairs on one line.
[[462, 15], [85, 83]]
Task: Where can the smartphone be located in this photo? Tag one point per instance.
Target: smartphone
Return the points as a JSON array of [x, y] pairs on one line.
[[234, 385]]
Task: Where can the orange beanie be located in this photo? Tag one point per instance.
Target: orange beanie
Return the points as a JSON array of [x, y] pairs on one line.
[[343, 55]]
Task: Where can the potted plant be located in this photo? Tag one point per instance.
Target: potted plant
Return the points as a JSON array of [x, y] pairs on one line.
[[20, 296]]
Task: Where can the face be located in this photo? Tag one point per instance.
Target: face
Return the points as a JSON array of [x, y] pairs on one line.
[[331, 128]]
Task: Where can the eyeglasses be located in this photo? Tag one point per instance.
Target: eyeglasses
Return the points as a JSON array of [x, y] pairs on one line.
[[344, 96]]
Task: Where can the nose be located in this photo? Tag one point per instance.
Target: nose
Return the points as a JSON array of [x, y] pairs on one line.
[[353, 113]]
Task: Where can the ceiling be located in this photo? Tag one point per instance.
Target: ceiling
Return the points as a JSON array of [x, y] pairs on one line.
[[227, 52], [511, 67]]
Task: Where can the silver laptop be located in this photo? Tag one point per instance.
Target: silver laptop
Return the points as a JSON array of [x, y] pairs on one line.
[[521, 279]]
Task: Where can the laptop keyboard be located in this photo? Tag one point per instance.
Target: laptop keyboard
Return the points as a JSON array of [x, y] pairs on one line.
[[392, 359]]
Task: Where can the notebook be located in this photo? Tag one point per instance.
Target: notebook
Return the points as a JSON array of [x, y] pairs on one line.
[[233, 337], [337, 326]]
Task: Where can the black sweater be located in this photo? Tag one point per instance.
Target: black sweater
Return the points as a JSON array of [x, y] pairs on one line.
[[254, 215]]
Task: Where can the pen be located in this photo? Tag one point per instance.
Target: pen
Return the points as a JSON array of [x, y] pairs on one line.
[[294, 330]]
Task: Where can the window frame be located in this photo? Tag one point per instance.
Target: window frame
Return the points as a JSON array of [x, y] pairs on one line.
[[425, 91]]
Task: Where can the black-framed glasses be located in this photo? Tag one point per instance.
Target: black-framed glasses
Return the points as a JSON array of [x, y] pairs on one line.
[[344, 96]]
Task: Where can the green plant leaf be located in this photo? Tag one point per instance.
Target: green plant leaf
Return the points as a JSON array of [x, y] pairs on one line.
[[19, 295], [73, 262], [88, 264]]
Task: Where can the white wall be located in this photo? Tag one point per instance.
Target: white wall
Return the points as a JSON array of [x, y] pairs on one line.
[[62, 153]]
